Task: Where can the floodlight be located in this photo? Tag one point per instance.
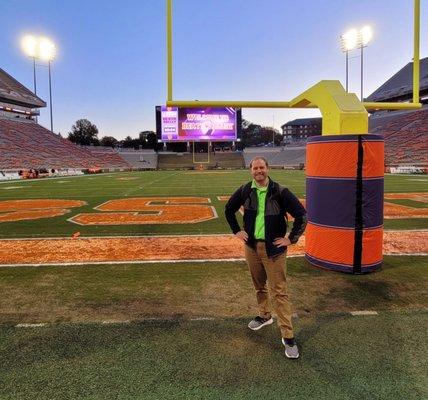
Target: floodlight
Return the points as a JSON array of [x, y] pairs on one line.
[[46, 49], [40, 48], [29, 45], [366, 34], [349, 40]]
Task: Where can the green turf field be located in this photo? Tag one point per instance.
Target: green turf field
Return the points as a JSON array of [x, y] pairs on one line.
[[97, 189], [343, 357], [166, 351]]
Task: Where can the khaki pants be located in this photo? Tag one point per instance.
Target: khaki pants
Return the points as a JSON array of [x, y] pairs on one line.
[[273, 270]]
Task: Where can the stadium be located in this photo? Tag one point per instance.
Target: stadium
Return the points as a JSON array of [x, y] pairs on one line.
[[120, 277]]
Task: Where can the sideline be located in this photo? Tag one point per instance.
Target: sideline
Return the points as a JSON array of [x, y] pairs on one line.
[[167, 249]]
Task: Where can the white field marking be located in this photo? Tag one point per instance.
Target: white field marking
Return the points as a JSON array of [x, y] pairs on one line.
[[112, 197], [149, 235], [202, 319], [364, 312], [59, 264], [158, 213], [126, 236], [175, 261], [149, 203], [13, 187], [113, 321], [30, 325], [198, 186], [49, 178], [418, 180], [150, 183]]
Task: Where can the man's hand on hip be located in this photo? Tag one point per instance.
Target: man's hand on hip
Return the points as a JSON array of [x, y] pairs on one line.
[[282, 242], [242, 235]]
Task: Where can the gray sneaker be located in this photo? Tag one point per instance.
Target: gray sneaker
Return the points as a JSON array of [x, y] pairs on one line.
[[290, 351], [259, 322]]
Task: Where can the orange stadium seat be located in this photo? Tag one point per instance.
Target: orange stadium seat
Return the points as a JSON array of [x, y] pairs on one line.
[[25, 144]]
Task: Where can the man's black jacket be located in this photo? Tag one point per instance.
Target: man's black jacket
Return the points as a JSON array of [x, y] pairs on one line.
[[279, 201]]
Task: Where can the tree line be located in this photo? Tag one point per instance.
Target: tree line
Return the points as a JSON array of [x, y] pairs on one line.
[[85, 133]]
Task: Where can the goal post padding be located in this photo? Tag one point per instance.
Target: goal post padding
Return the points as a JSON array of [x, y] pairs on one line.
[[344, 198]]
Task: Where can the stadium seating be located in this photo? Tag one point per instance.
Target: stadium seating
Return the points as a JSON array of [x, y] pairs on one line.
[[142, 159], [277, 157], [25, 144], [405, 136]]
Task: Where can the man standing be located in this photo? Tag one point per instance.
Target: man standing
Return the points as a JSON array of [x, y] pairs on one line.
[[265, 205]]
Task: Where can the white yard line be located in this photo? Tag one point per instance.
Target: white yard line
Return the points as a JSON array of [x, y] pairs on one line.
[[175, 261], [363, 313], [177, 235], [124, 236], [150, 183], [83, 263]]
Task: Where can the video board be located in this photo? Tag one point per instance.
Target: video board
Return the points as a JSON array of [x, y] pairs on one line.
[[198, 124]]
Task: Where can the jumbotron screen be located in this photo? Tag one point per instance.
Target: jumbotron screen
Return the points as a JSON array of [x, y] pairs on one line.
[[198, 124]]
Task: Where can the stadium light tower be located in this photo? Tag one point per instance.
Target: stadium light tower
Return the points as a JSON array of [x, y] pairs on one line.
[[47, 51], [29, 47], [351, 40], [40, 48], [348, 41], [365, 35]]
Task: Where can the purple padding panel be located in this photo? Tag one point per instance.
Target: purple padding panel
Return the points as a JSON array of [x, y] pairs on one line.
[[372, 202], [341, 267], [371, 137], [345, 138], [332, 138], [331, 202]]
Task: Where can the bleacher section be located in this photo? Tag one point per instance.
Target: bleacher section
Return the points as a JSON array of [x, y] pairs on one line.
[[277, 157], [405, 136], [109, 156], [185, 160], [141, 159], [25, 144]]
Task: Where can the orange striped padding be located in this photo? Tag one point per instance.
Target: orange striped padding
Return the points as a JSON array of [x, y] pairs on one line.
[[337, 245], [327, 160]]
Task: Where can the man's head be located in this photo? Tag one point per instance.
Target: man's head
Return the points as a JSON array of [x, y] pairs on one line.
[[259, 169]]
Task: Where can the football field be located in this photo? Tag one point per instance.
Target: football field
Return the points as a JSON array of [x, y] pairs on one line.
[[86, 312]]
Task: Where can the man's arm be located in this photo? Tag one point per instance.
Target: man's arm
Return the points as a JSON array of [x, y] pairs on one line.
[[232, 206], [295, 208]]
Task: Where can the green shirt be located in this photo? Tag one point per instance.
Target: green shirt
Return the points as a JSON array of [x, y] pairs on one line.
[[259, 231]]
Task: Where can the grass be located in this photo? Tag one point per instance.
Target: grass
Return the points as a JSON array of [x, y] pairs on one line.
[[343, 357], [173, 357], [184, 290], [97, 189]]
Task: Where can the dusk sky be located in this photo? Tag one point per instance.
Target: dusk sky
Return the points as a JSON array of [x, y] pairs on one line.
[[111, 62]]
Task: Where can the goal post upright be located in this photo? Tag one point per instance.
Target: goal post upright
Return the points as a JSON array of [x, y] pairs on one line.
[[344, 167], [415, 104]]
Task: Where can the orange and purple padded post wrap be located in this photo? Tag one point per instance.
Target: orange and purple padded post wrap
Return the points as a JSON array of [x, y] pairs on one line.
[[344, 201]]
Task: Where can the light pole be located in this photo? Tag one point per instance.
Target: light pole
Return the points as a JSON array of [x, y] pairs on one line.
[[50, 94], [47, 53], [40, 48], [365, 35], [351, 40], [348, 42], [29, 46]]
